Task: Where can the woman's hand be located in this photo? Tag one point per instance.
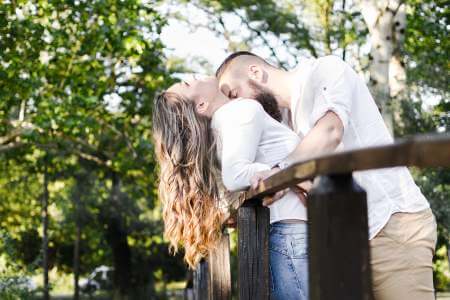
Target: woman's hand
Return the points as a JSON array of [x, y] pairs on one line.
[[301, 190], [261, 176]]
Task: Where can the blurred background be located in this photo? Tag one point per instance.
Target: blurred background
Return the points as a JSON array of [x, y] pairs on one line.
[[79, 214]]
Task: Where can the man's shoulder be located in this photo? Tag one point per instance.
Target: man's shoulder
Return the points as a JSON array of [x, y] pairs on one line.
[[330, 59], [329, 65]]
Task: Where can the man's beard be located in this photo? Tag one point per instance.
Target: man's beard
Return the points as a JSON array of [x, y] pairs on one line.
[[267, 99]]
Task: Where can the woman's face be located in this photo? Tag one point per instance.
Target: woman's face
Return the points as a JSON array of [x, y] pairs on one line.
[[203, 91]]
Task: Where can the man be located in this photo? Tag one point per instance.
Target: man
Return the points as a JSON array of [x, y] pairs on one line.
[[331, 109]]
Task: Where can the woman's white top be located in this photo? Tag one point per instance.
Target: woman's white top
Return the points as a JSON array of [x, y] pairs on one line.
[[249, 141]]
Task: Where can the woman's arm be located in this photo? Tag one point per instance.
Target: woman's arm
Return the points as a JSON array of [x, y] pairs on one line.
[[241, 134]]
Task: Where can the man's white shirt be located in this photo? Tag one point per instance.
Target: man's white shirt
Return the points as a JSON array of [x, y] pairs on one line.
[[329, 84], [250, 141]]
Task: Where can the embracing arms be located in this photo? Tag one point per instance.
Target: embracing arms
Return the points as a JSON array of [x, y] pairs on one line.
[[323, 138]]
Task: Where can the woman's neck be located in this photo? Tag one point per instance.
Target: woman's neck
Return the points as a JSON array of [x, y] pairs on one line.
[[220, 101]]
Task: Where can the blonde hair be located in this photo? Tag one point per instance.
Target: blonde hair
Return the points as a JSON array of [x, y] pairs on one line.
[[190, 185]]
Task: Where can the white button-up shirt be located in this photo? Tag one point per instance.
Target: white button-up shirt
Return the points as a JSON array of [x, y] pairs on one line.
[[329, 84], [249, 141]]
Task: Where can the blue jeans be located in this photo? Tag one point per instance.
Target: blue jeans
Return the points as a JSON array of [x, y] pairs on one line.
[[288, 261]]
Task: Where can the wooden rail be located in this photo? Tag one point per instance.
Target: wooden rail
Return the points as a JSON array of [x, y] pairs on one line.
[[337, 222]]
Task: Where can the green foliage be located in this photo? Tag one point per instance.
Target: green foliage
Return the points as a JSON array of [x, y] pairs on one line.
[[427, 44], [77, 80], [14, 278], [434, 183]]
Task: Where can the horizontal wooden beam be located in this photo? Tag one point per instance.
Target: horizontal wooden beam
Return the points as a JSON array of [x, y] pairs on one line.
[[420, 151]]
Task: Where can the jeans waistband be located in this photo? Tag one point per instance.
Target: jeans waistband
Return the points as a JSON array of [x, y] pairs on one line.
[[288, 228]]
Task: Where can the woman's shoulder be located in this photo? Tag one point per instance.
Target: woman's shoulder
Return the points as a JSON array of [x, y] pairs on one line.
[[239, 111], [245, 104]]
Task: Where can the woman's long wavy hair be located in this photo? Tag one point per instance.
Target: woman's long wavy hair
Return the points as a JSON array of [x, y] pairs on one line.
[[190, 185]]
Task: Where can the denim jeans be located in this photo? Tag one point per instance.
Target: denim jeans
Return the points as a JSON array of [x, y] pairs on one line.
[[288, 261]]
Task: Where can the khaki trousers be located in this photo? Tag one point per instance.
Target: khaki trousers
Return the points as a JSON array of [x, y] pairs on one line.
[[401, 257]]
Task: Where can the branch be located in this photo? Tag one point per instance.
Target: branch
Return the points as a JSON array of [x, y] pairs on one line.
[[11, 146], [263, 38]]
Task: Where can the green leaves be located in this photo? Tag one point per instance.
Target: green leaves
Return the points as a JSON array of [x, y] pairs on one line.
[[77, 81]]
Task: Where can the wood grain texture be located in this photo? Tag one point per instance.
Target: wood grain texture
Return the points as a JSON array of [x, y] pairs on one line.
[[201, 277], [339, 265], [253, 252], [219, 270]]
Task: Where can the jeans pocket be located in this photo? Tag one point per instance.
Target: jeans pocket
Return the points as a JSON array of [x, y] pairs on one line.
[[299, 244], [277, 243]]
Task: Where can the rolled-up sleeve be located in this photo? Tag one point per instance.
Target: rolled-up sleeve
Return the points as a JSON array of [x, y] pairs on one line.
[[240, 136], [335, 90]]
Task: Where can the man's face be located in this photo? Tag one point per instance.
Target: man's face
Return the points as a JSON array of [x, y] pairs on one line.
[[236, 85]]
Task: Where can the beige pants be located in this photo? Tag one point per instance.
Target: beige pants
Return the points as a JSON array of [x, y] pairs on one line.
[[401, 257]]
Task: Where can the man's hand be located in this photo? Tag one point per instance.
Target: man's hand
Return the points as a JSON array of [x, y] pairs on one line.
[[306, 186]]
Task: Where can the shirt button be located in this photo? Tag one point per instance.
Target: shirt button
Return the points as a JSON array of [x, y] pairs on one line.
[[324, 88]]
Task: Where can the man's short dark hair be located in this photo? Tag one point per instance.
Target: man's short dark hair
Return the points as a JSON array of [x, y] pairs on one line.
[[221, 69]]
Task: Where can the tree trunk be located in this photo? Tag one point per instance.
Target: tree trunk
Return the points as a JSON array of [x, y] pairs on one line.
[[76, 263], [76, 248], [45, 197], [386, 21], [397, 70], [116, 235]]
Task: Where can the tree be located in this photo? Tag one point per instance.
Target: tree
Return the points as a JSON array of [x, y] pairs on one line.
[[77, 82], [386, 21]]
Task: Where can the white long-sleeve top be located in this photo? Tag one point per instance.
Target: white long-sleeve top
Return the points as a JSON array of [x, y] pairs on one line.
[[249, 140]]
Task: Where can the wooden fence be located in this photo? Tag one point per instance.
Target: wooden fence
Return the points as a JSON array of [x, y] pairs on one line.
[[339, 265]]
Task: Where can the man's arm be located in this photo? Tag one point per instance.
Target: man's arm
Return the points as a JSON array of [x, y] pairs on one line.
[[323, 138]]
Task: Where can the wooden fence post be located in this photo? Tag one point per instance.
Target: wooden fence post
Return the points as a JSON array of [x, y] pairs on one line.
[[253, 251], [212, 278], [339, 265], [201, 281], [219, 270]]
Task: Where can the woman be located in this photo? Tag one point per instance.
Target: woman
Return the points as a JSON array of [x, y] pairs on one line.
[[200, 134]]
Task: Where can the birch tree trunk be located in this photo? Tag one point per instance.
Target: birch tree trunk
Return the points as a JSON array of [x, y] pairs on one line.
[[397, 70], [386, 22]]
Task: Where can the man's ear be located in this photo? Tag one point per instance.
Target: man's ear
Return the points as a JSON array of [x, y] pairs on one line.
[[255, 73], [202, 107]]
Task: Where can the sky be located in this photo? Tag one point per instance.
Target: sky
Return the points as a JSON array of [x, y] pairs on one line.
[[186, 41], [183, 41]]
